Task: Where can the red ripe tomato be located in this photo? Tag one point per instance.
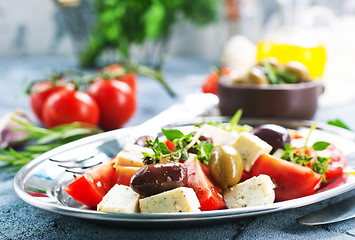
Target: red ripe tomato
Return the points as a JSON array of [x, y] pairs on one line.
[[291, 180], [211, 83], [39, 93], [116, 100], [90, 188], [67, 106], [207, 193], [129, 78]]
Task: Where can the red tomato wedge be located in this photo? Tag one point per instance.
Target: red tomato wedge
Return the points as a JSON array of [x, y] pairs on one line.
[[291, 180], [90, 188], [207, 193]]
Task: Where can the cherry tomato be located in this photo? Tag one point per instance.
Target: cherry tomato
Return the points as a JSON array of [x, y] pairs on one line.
[[67, 106], [207, 193], [211, 83], [291, 180], [129, 78], [116, 100], [39, 93], [90, 188]]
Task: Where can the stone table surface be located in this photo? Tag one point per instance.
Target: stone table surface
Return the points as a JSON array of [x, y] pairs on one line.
[[19, 220]]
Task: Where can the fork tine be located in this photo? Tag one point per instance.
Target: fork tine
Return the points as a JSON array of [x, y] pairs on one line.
[[78, 166], [70, 160]]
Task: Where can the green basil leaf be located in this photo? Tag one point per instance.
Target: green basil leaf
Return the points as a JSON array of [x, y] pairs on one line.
[[319, 146], [172, 134]]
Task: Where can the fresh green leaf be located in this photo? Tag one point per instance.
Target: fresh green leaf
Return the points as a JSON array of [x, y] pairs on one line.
[[338, 123], [172, 134], [320, 146]]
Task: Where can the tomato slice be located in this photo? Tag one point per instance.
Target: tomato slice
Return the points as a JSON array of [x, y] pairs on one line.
[[90, 188], [207, 193], [291, 180]]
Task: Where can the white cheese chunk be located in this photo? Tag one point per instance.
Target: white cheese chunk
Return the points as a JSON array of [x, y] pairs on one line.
[[120, 199], [219, 136], [180, 199], [252, 192], [250, 147], [131, 155]]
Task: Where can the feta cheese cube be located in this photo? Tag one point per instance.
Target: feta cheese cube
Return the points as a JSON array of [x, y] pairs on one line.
[[131, 155], [252, 192], [120, 199], [219, 136], [180, 199], [250, 147]]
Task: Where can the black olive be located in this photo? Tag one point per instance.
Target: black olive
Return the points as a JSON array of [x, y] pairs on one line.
[[156, 178], [275, 135]]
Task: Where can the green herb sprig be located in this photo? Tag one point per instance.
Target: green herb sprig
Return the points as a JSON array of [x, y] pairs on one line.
[[183, 143], [299, 155], [41, 140]]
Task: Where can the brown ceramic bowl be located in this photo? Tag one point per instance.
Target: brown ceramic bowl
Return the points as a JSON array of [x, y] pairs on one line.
[[285, 101]]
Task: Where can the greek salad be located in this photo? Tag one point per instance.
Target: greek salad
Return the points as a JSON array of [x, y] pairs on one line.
[[215, 166]]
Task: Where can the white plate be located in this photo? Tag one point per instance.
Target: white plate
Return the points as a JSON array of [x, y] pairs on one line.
[[41, 183]]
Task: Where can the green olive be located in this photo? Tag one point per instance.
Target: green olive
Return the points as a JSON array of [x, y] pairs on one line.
[[298, 69], [225, 165], [256, 76]]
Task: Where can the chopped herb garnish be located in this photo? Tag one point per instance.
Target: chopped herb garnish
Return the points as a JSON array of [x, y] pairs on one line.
[[308, 157], [184, 144]]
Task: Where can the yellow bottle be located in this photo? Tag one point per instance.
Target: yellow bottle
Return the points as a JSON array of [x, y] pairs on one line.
[[313, 57]]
